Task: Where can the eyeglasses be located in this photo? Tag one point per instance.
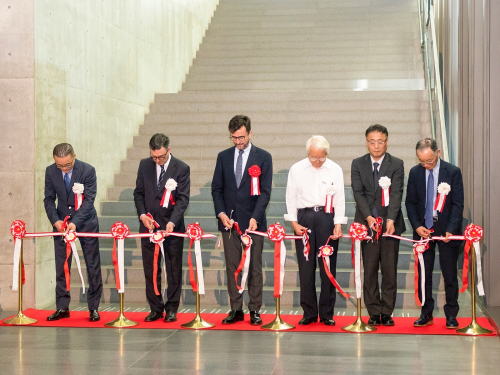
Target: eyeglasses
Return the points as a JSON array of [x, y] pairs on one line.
[[428, 162], [316, 159], [66, 166], [379, 142], [236, 139], [158, 158]]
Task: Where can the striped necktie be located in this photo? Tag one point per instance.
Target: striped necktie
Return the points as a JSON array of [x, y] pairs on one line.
[[162, 173]]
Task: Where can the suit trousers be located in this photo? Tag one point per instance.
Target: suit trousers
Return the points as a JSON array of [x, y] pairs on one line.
[[233, 250], [448, 260], [173, 249], [384, 254], [90, 249], [321, 226]]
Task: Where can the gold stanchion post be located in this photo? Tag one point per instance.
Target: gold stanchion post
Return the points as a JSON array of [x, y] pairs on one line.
[[473, 329], [197, 322], [277, 324], [359, 326], [20, 318], [121, 321]]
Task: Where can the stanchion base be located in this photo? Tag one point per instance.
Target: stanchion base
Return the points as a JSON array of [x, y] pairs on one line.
[[359, 327], [473, 329], [121, 322], [197, 323], [277, 325], [20, 319]]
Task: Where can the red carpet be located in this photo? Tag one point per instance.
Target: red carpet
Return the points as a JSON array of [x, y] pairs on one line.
[[80, 319]]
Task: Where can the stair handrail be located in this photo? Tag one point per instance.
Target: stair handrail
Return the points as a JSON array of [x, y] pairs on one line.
[[428, 42]]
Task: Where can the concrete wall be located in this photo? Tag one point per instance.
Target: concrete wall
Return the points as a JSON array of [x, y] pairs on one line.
[[17, 143], [88, 80]]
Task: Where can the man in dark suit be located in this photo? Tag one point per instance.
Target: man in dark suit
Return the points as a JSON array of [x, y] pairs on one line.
[[234, 202], [366, 172], [60, 179], [421, 197], [153, 174]]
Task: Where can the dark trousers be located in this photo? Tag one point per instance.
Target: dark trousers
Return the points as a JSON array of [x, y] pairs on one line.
[[448, 260], [233, 250], [90, 249], [173, 249], [381, 254], [321, 226]]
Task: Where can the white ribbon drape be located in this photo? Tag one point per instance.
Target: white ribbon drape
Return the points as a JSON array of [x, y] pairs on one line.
[[422, 276], [77, 260], [385, 191], [282, 265], [479, 271], [120, 254], [357, 267], [246, 267], [199, 267], [17, 256]]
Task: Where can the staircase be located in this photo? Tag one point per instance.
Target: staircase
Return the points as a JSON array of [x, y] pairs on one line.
[[296, 68]]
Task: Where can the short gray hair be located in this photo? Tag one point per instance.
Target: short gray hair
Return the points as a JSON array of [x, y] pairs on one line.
[[319, 142], [427, 143], [62, 150]]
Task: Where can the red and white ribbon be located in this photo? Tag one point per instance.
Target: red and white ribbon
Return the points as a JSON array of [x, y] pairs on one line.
[[18, 230], [155, 222], [473, 234], [157, 238], [70, 239], [305, 241], [378, 223], [385, 184], [358, 232], [244, 263], [330, 192], [418, 250], [119, 231], [325, 252], [276, 233], [195, 234], [78, 190], [254, 172], [443, 190], [170, 186]]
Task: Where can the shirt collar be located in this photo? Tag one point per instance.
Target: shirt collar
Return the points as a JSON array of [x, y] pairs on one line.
[[378, 161]]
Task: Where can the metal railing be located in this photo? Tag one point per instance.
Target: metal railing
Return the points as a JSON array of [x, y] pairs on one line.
[[433, 78]]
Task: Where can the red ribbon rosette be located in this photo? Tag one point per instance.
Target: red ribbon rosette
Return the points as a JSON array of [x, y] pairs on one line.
[[254, 172], [418, 249], [194, 233], [157, 238], [472, 234], [357, 232], [276, 233], [18, 231], [119, 231], [325, 252]]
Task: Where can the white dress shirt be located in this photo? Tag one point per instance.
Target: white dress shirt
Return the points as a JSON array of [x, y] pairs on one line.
[[307, 186], [435, 174], [246, 152], [165, 166], [378, 161]]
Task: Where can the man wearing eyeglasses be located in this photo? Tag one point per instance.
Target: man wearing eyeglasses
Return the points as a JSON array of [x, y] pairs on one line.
[[312, 182], [366, 173], [60, 180], [152, 176], [426, 221], [234, 202]]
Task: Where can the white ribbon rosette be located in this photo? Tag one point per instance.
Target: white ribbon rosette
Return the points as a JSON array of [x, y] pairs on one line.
[[385, 183], [330, 192], [170, 186], [443, 190], [78, 190]]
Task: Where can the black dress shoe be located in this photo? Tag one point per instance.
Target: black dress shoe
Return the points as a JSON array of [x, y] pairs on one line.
[[327, 321], [374, 320], [59, 314], [170, 317], [306, 321], [386, 320], [423, 321], [255, 319], [153, 316], [234, 316], [451, 322], [94, 316]]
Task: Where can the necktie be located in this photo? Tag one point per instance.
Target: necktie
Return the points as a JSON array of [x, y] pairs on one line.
[[429, 204], [162, 173], [66, 182], [239, 167], [375, 184]]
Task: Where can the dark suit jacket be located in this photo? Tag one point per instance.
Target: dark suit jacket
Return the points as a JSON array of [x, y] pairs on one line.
[[228, 198], [85, 218], [367, 195], [147, 198], [450, 220]]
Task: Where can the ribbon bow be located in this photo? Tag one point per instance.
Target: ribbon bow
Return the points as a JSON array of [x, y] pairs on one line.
[[276, 233], [119, 231], [473, 234], [358, 232], [195, 234], [18, 230]]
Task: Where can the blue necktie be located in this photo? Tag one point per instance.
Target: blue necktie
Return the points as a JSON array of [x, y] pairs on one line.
[[66, 182], [162, 173], [429, 204], [239, 168], [375, 184]]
